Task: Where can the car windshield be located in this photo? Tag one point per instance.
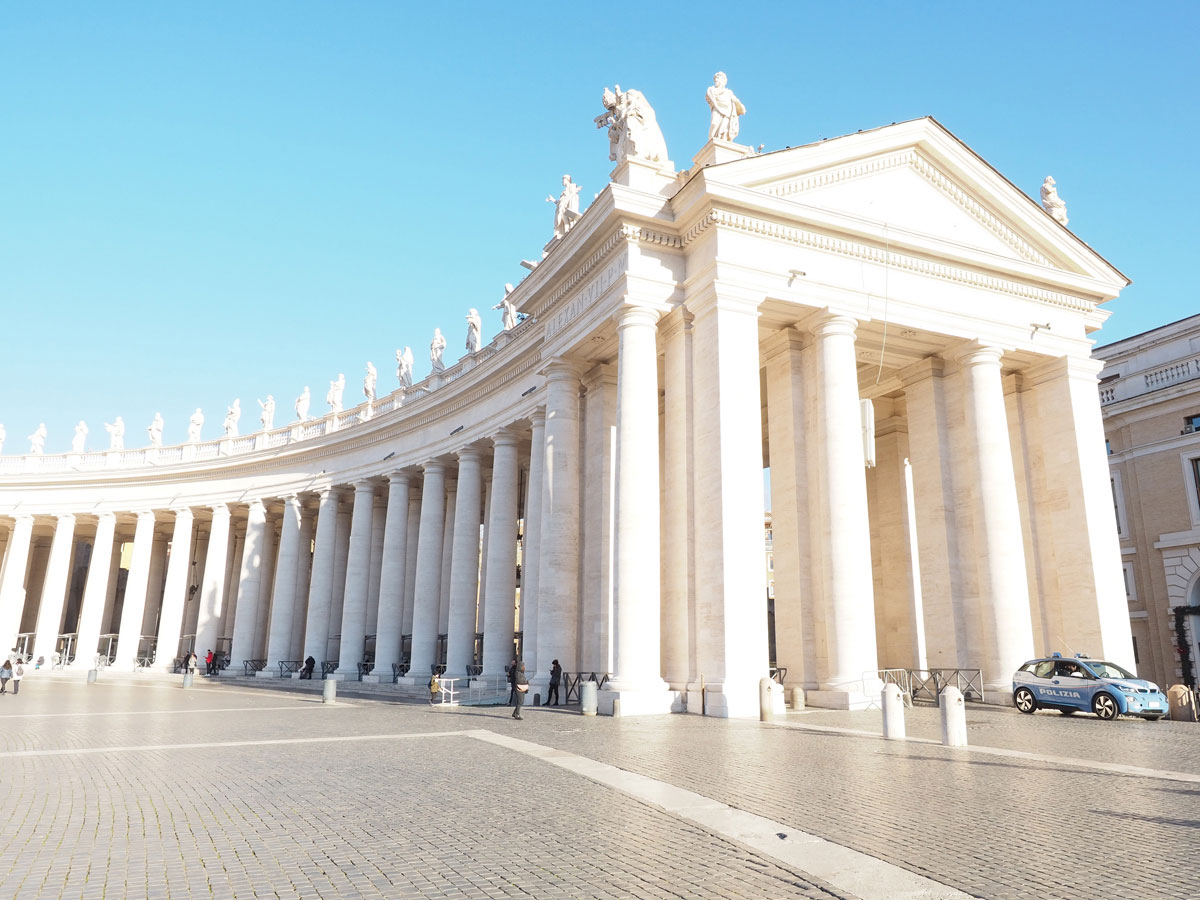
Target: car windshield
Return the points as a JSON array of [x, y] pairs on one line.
[[1108, 670]]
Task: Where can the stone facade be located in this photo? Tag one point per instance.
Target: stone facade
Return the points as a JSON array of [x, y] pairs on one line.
[[688, 330], [1150, 396]]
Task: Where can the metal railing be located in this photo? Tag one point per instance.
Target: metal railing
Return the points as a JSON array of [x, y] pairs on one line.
[[365, 668], [288, 666], [328, 667], [250, 666], [474, 671], [573, 680], [928, 684], [778, 674], [399, 670]]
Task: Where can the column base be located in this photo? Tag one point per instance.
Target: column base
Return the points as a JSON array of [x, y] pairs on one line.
[[840, 699], [370, 678], [729, 700], [267, 673], [342, 675], [653, 700]]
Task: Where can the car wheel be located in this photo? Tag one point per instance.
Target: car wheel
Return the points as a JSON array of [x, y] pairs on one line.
[[1068, 712], [1104, 706], [1025, 700]]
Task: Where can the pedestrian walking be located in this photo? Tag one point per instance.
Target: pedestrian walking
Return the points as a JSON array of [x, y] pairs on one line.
[[555, 678], [520, 685], [208, 663], [5, 674], [309, 665], [18, 674], [191, 662], [435, 688]]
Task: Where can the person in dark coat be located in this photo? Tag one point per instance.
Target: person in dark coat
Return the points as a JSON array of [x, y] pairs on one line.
[[552, 698], [519, 684], [307, 671]]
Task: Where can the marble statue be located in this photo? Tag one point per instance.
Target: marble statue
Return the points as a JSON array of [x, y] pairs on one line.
[[155, 430], [632, 126], [566, 207], [232, 415], [404, 367], [79, 441], [37, 440], [370, 382], [268, 413], [116, 434], [195, 423], [726, 108], [474, 331], [436, 348], [334, 395], [508, 309], [1052, 203], [303, 402]]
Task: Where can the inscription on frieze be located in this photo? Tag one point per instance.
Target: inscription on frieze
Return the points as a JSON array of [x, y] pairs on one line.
[[588, 295]]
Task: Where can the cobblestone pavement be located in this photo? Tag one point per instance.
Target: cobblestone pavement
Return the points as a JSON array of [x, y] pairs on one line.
[[451, 817], [443, 816]]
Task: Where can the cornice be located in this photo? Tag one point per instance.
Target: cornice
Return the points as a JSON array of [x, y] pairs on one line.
[[842, 247]]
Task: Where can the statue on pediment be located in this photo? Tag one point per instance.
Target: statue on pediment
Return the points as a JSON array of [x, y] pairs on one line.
[[268, 413], [195, 423], [116, 434], [233, 415], [566, 207], [436, 348], [369, 382], [37, 440], [333, 396], [79, 441], [633, 130], [726, 108], [1052, 203], [303, 403], [404, 367], [508, 309], [474, 331], [155, 430]]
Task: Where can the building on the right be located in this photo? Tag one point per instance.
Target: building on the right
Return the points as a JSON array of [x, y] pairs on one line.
[[1150, 397]]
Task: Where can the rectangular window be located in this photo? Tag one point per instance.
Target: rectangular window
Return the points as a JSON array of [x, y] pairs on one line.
[[1191, 424], [1116, 504], [1136, 659], [1108, 447], [1196, 477]]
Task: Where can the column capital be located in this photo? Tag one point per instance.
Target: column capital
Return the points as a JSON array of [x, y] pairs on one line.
[[364, 486], [930, 367], [256, 501], [505, 437], [106, 516], [178, 511], [978, 354], [599, 374], [433, 468], [469, 454], [143, 513], [724, 297], [634, 316], [65, 517], [1085, 368], [831, 324], [786, 340], [399, 478], [674, 322], [219, 509], [563, 369], [538, 417], [292, 499]]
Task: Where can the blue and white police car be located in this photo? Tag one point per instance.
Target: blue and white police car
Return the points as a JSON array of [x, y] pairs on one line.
[[1073, 684]]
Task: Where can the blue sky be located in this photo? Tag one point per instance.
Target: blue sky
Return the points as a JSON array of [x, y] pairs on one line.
[[215, 200]]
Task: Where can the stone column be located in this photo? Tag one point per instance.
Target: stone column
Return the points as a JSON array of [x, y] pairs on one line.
[[129, 636], [999, 549], [233, 568], [378, 524], [678, 620], [788, 418], [54, 589], [340, 556], [731, 585], [154, 589], [598, 542], [320, 589], [304, 569], [266, 582], [447, 551], [844, 539], [94, 591], [284, 596], [12, 581], [212, 585], [410, 558], [170, 623], [637, 680], [558, 575], [428, 587], [358, 576], [249, 593], [501, 590], [1076, 498], [464, 567], [392, 577], [532, 552]]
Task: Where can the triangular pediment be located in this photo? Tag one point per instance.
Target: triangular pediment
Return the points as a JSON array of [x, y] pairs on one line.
[[916, 178]]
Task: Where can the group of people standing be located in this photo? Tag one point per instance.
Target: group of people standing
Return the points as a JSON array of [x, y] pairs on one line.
[[519, 686], [13, 673]]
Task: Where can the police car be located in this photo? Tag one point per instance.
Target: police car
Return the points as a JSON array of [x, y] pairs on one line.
[[1070, 685]]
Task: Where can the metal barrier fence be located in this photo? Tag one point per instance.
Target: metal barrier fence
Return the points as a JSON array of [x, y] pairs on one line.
[[928, 684], [572, 681]]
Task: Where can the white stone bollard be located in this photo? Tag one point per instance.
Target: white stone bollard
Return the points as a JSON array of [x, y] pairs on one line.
[[187, 679], [892, 699], [766, 710], [797, 697], [588, 698], [329, 691], [954, 717], [92, 673]]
